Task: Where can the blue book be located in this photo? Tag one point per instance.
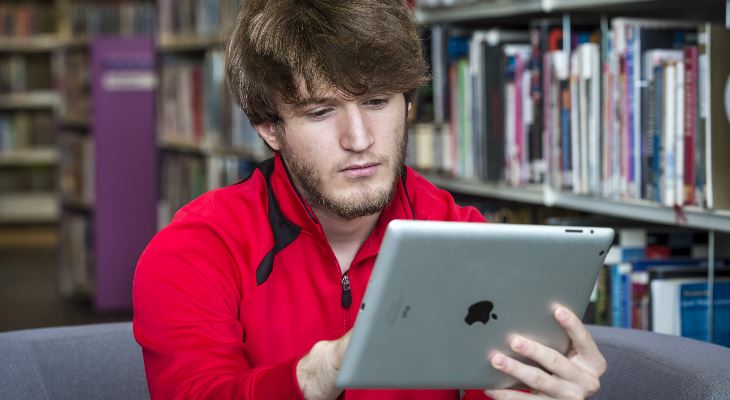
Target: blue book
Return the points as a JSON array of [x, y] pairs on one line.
[[621, 295], [648, 265], [631, 84], [694, 308]]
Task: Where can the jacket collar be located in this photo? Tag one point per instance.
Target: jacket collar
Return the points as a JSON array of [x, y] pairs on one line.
[[298, 211]]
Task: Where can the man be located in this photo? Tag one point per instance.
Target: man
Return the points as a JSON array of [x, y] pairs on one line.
[[252, 289]]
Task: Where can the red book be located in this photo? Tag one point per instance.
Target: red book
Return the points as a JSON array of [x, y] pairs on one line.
[[555, 38], [690, 122], [197, 77]]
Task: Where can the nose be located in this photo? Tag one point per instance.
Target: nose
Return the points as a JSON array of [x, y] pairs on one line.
[[355, 132]]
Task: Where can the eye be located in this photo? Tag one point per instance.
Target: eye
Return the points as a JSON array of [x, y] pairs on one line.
[[377, 103], [318, 113]]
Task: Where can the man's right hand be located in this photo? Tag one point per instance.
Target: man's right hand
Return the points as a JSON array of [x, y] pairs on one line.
[[317, 371]]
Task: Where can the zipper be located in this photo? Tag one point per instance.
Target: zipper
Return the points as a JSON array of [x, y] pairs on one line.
[[346, 294]]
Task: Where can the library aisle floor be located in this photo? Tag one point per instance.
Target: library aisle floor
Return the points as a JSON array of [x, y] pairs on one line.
[[29, 297]]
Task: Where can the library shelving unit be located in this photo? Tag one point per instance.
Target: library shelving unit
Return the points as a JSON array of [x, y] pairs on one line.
[[106, 142], [28, 104], [566, 49], [205, 141]]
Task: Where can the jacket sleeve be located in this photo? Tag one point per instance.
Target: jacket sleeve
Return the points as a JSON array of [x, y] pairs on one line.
[[186, 292]]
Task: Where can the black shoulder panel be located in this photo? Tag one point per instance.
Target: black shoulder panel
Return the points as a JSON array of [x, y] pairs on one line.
[[284, 231]]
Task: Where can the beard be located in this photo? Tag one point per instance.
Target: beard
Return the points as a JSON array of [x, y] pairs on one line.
[[365, 201]]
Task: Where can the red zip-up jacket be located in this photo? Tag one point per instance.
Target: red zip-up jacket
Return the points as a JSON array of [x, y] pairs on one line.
[[242, 283]]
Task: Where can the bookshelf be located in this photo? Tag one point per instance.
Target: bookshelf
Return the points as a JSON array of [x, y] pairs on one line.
[[28, 105], [193, 146], [638, 210], [106, 146], [205, 141], [32, 207], [588, 106], [35, 44], [29, 157], [41, 99]]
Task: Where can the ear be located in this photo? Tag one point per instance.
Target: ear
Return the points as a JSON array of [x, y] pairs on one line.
[[267, 131]]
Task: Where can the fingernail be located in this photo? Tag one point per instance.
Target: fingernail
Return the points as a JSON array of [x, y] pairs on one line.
[[499, 361], [518, 344], [562, 314], [489, 393]]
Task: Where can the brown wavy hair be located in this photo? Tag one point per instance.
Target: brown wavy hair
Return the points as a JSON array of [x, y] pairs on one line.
[[357, 47]]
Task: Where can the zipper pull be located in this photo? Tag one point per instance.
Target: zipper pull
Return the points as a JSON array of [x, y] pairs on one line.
[[346, 295]]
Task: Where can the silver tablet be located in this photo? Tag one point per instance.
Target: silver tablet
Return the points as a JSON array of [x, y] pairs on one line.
[[443, 295]]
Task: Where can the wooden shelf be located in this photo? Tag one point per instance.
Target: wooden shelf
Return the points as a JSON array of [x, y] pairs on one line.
[[74, 203], [191, 42], [75, 42], [38, 99], [639, 210], [29, 208], [208, 150], [506, 8], [73, 121], [29, 237], [33, 44], [29, 157]]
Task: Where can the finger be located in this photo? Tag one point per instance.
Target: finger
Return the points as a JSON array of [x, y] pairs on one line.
[[534, 377], [507, 394], [549, 358], [582, 340]]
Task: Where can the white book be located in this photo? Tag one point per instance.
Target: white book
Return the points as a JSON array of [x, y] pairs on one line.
[[424, 144], [669, 135], [679, 138], [594, 122], [585, 68], [665, 305]]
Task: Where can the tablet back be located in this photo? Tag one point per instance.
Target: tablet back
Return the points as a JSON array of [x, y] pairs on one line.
[[443, 295]]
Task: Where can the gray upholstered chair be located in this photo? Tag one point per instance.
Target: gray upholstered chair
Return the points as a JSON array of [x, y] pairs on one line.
[[78, 362], [645, 365], [104, 362]]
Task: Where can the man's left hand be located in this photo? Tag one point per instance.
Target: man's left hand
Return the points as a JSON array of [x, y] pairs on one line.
[[573, 376]]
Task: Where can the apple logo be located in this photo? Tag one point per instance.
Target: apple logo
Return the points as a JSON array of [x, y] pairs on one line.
[[481, 312]]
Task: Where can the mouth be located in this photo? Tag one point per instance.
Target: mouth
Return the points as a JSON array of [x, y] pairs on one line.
[[360, 170]]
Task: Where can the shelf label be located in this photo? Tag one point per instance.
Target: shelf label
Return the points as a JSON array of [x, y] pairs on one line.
[[129, 81]]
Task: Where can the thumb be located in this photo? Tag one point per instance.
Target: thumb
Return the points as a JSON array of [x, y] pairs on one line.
[[341, 346]]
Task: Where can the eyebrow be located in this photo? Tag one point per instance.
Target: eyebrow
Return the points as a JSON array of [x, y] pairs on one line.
[[313, 100]]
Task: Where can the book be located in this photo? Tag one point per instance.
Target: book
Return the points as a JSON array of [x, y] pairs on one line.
[[717, 64], [76, 168], [125, 18], [25, 20], [694, 308], [197, 18], [666, 300]]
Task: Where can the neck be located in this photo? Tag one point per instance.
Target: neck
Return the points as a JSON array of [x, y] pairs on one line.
[[345, 236], [340, 231]]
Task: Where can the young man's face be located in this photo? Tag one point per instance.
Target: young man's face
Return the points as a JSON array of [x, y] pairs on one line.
[[343, 154]]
